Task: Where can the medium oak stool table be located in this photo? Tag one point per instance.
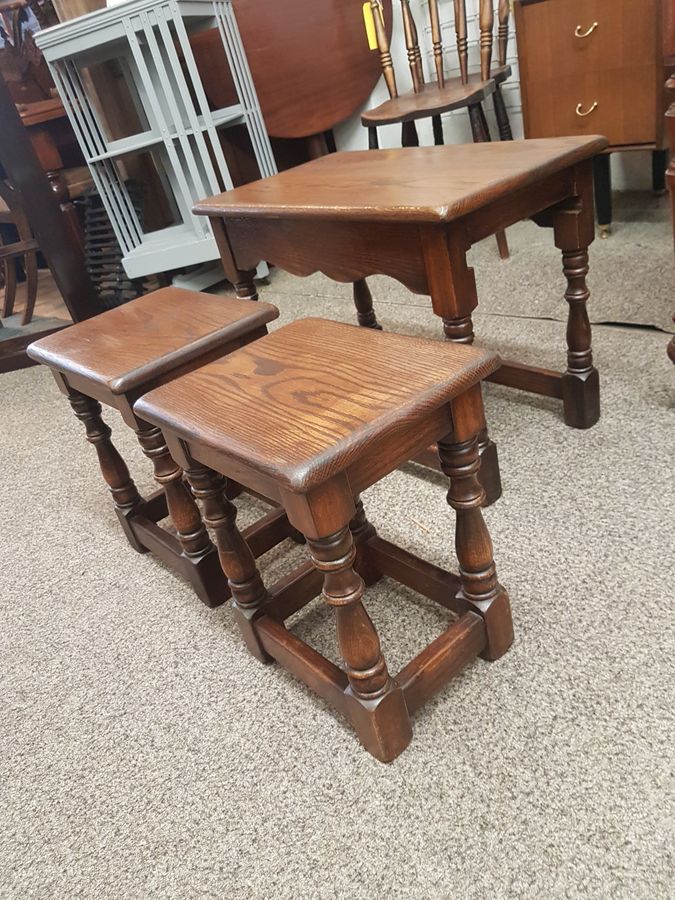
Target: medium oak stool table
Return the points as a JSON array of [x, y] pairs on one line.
[[413, 214], [113, 359], [292, 417]]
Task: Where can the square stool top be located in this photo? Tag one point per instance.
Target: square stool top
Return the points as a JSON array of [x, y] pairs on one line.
[[146, 338], [415, 184], [299, 405]]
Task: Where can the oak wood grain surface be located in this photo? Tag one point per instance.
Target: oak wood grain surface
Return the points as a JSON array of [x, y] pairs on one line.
[[420, 184], [299, 405], [155, 334]]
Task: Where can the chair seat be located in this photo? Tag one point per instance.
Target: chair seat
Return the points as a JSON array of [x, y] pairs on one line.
[[407, 184], [432, 100], [145, 339], [303, 403]]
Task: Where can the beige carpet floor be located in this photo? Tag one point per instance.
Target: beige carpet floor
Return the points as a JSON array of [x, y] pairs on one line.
[[145, 754]]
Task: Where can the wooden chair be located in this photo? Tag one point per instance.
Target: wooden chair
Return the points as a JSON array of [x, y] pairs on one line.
[[25, 247], [432, 99]]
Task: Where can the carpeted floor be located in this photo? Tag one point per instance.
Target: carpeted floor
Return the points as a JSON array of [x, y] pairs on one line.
[[144, 753]]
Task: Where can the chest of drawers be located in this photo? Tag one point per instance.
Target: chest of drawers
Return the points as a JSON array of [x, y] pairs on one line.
[[594, 67]]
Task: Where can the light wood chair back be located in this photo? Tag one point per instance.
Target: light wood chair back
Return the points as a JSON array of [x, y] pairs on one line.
[[486, 18]]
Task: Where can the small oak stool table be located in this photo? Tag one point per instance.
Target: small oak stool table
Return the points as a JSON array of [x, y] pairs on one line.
[[413, 214], [292, 417], [113, 359]]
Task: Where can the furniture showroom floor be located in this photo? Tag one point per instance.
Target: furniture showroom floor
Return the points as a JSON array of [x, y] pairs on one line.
[[145, 753]]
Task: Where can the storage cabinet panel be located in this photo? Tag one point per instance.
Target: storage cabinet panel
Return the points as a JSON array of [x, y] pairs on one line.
[[619, 104]]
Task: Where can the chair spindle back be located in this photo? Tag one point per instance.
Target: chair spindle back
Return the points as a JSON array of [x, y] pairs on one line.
[[485, 24]]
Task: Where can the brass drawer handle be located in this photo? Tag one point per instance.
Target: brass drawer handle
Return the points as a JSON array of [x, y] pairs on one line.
[[588, 111], [582, 34]]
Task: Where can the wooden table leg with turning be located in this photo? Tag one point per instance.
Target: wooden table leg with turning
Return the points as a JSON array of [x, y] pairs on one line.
[[284, 441]]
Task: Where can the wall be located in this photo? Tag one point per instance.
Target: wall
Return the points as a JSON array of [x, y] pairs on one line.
[[630, 171]]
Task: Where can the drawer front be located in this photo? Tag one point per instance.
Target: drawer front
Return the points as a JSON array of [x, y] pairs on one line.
[[620, 105], [564, 37]]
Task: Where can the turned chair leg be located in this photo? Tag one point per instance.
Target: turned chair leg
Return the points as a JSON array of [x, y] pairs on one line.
[[409, 137], [379, 712], [238, 563], [113, 468], [481, 134], [9, 269], [31, 268], [373, 143], [602, 181], [581, 382], [363, 301], [437, 125], [502, 116], [477, 571]]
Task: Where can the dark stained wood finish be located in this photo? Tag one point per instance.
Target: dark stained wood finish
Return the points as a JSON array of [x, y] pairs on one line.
[[429, 101], [336, 420], [413, 214], [113, 359], [143, 341], [426, 184], [280, 420]]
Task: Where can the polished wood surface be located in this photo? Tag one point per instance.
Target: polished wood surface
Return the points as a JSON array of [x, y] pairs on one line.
[[293, 412], [309, 59], [430, 101], [413, 214], [114, 358], [307, 436], [149, 337], [418, 184], [606, 53]]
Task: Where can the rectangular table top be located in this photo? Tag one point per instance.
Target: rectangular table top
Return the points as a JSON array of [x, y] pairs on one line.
[[415, 184], [144, 339]]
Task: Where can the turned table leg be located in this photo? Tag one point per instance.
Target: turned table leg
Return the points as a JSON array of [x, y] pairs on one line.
[[238, 563], [113, 468], [580, 383], [461, 462], [184, 512], [461, 331], [379, 712], [363, 301]]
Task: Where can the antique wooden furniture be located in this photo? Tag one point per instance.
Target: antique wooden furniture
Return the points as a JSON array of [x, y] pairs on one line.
[[292, 417], [310, 63], [432, 99], [20, 168], [24, 248], [413, 213], [594, 67], [115, 358], [59, 155]]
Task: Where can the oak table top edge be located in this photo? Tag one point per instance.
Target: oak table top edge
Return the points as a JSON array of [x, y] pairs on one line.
[[301, 475], [49, 351], [260, 199]]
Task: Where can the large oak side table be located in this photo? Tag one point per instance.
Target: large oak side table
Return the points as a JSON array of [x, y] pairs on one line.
[[114, 359], [413, 214]]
